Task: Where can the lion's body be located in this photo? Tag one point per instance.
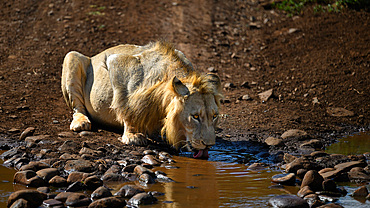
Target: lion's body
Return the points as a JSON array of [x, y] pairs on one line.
[[133, 87]]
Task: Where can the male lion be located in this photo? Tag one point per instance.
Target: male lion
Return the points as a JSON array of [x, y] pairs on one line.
[[147, 90]]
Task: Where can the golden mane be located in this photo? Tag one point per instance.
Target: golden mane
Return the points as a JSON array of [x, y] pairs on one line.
[[156, 108]]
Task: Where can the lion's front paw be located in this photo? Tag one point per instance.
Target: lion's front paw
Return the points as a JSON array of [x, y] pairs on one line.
[[80, 123], [137, 139]]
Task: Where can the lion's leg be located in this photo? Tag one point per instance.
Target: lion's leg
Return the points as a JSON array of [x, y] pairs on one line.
[[133, 137], [74, 72]]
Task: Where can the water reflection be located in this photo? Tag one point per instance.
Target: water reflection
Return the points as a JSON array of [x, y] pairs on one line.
[[351, 145]]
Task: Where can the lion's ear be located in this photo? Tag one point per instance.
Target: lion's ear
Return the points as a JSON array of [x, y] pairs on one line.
[[179, 87], [215, 80]]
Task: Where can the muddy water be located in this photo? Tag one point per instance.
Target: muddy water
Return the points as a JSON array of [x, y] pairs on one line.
[[6, 183], [351, 145]]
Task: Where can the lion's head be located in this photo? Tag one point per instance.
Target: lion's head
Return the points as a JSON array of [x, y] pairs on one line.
[[193, 113]]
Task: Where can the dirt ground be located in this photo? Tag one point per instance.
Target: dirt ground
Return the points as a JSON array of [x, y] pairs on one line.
[[311, 61]]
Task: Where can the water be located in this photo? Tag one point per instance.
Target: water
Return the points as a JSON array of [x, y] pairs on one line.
[[6, 183], [351, 145]]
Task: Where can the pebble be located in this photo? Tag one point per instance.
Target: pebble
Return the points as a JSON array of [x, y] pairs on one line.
[[304, 191], [63, 196], [52, 203], [288, 201], [142, 199], [264, 96], [272, 141], [141, 170], [28, 178], [79, 165], [44, 189], [146, 179], [33, 197], [93, 182], [360, 192], [20, 203], [112, 177], [339, 112], [58, 181], [101, 192], [329, 185], [341, 168], [128, 191], [47, 173], [76, 186], [150, 159], [229, 85], [358, 173], [27, 132], [68, 146]]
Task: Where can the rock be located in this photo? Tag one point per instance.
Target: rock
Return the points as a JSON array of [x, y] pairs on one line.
[[79, 165], [212, 69], [35, 166], [113, 169], [67, 156], [294, 133], [76, 186], [43, 189], [264, 96], [256, 167], [141, 170], [358, 173], [28, 178], [288, 201], [304, 191], [288, 158], [68, 146], [33, 197], [229, 85], [47, 173], [85, 133], [88, 151], [66, 134], [146, 179], [342, 168], [10, 153], [111, 202], [314, 180], [245, 84], [360, 192], [299, 163], [301, 173], [163, 178], [150, 159], [63, 196], [27, 132], [318, 154], [101, 192], [313, 143], [77, 176], [313, 200], [128, 191], [272, 141], [325, 170], [113, 177], [331, 205], [58, 181], [20, 203], [129, 168], [284, 179], [329, 185], [339, 112], [142, 199], [52, 203], [77, 200], [93, 182]]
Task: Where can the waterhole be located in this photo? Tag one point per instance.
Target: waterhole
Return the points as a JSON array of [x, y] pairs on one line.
[[351, 145]]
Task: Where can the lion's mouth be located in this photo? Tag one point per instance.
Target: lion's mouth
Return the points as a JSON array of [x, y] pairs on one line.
[[201, 154]]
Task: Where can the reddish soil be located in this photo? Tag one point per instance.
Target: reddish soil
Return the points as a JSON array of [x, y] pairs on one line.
[[324, 56]]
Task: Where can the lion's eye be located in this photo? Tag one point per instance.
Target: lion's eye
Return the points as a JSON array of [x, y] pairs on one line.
[[215, 116], [196, 116]]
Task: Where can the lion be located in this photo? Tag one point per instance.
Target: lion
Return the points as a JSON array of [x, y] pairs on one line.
[[143, 90]]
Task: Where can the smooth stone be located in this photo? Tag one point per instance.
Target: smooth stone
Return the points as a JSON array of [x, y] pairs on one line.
[[257, 167], [272, 141], [79, 165], [68, 146], [141, 170], [76, 186], [313, 179], [93, 182], [142, 199], [35, 166], [284, 179], [146, 178], [113, 169], [66, 134], [101, 192], [28, 178], [360, 192], [299, 163], [304, 191], [301, 173], [27, 132], [85, 150], [294, 133], [58, 181], [128, 191], [111, 202], [288, 201], [63, 196], [43, 189], [151, 160], [77, 176], [358, 173], [313, 143], [163, 178], [288, 158], [313, 200], [77, 200], [52, 203], [35, 198], [20, 203], [47, 173], [318, 154], [112, 177], [67, 156]]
